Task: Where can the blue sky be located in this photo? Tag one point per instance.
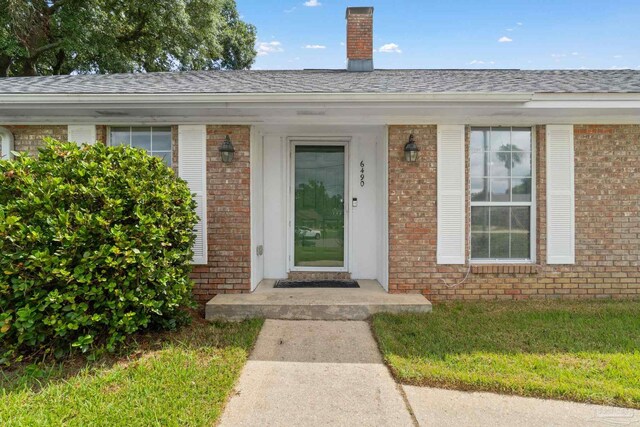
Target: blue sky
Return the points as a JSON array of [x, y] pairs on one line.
[[527, 34]]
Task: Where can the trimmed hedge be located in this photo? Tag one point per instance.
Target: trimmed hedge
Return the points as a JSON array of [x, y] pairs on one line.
[[95, 245]]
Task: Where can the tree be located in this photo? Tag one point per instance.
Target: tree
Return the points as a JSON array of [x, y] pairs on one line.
[[44, 37]]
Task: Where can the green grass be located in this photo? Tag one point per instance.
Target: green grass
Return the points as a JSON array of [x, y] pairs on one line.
[[169, 379], [582, 351]]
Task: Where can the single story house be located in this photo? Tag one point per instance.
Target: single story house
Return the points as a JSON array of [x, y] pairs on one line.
[[457, 184]]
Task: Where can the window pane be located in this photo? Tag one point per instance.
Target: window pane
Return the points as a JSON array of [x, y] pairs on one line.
[[500, 139], [521, 189], [520, 228], [499, 239], [500, 163], [521, 139], [479, 139], [521, 163], [499, 245], [319, 206], [479, 189], [520, 218], [161, 139], [500, 190], [479, 245], [141, 138], [479, 164], [500, 219], [165, 156], [479, 218], [520, 245], [119, 136]]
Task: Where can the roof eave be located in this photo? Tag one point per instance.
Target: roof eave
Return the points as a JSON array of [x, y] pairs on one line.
[[162, 98]]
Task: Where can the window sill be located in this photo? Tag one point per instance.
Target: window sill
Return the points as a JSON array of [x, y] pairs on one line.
[[504, 269]]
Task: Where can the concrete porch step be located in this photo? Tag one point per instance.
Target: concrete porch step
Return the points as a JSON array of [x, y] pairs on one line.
[[314, 304]]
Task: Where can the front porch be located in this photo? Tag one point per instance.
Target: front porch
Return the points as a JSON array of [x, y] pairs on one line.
[[314, 304]]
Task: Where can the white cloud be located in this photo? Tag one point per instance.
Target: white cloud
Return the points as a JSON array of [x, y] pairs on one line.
[[390, 48], [558, 55], [504, 39], [315, 46], [575, 53], [265, 48], [479, 62], [519, 24], [617, 56], [312, 3], [509, 29]]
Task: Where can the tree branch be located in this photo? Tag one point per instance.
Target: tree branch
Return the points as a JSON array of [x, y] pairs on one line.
[[60, 58], [37, 52]]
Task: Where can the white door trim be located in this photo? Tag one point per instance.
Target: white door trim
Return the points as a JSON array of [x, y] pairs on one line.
[[293, 141]]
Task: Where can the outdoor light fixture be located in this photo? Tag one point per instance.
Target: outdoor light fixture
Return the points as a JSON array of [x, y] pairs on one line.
[[411, 150], [227, 150]]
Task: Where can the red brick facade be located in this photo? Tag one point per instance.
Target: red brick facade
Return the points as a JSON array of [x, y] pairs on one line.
[[228, 217], [28, 137], [607, 205]]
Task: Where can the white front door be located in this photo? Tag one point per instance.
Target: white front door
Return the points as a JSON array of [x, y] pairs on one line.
[[318, 209]]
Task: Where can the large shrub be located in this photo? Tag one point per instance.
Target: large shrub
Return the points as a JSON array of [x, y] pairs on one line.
[[95, 244]]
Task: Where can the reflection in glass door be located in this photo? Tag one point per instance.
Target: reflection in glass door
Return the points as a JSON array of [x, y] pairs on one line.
[[319, 206]]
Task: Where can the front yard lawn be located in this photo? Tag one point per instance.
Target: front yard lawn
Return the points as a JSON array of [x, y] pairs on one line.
[[584, 351], [179, 378]]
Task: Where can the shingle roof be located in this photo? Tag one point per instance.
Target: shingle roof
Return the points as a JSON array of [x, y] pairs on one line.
[[334, 81]]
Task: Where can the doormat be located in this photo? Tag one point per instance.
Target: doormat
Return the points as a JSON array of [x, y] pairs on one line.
[[280, 284]]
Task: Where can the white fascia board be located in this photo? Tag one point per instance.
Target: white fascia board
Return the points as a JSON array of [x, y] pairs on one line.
[[538, 100], [195, 98]]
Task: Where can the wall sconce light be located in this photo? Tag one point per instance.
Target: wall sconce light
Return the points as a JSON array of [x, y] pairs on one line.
[[411, 150], [227, 150]]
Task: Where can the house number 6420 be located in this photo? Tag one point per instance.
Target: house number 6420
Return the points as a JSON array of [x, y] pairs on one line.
[[362, 173]]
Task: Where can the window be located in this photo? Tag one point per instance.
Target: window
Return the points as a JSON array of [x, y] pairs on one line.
[[155, 140], [502, 194]]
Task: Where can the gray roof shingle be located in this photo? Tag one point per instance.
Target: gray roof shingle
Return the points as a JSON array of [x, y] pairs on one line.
[[333, 81]]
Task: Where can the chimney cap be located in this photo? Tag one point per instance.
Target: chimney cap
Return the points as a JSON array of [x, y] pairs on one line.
[[359, 11]]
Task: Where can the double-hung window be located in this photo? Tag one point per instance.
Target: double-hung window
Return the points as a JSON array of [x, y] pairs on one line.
[[154, 140], [502, 194]]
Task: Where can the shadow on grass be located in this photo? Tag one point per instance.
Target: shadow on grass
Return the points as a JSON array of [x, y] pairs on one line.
[[198, 335]]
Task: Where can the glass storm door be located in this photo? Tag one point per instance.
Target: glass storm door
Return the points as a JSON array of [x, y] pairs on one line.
[[319, 206]]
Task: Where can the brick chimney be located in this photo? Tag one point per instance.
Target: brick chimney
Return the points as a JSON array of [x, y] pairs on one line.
[[359, 38]]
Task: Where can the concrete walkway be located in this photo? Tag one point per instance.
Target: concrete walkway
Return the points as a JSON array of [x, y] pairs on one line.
[[330, 373], [316, 373], [438, 407]]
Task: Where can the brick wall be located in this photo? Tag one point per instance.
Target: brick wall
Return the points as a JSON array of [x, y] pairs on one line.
[[29, 137], [228, 217], [607, 190]]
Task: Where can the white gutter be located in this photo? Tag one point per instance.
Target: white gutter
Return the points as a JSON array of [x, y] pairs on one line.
[[197, 98]]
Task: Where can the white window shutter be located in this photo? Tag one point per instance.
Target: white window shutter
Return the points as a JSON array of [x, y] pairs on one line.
[[560, 195], [192, 167], [451, 194], [82, 134], [6, 144]]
